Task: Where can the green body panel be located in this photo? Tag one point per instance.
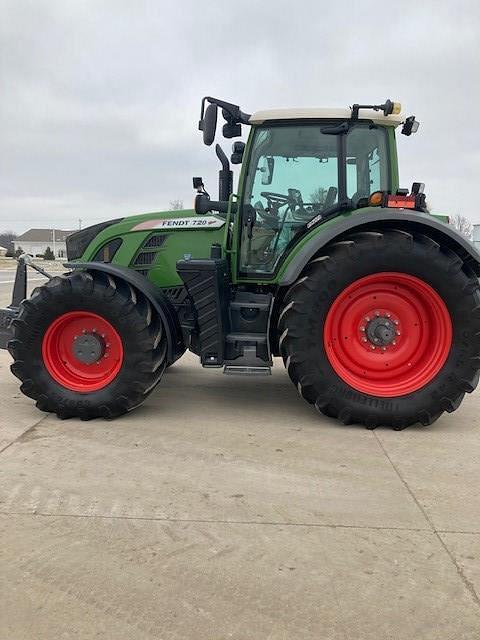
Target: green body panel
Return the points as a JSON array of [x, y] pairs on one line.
[[179, 242]]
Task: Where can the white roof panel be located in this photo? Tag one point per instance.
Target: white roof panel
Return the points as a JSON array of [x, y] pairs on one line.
[[324, 113]]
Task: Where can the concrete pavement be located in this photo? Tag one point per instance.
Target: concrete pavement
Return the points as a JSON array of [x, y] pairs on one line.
[[228, 508]]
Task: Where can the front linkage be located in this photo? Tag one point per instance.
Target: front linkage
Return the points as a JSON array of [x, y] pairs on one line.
[[8, 314]]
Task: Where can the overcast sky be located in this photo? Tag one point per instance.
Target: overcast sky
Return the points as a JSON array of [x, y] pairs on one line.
[[99, 100]]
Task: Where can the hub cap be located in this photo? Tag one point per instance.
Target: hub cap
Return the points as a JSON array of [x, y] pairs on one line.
[[388, 334], [82, 351]]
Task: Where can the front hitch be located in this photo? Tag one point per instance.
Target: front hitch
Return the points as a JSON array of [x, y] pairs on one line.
[[19, 293]]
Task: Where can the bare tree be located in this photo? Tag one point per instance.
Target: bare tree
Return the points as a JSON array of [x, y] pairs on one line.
[[318, 195], [462, 224], [176, 205], [6, 240]]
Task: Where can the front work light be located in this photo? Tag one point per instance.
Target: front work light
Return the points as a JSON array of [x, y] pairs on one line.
[[410, 126]]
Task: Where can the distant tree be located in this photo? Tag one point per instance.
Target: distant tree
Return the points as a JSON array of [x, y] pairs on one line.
[[176, 205], [318, 195], [6, 240], [18, 252], [462, 224], [48, 255]]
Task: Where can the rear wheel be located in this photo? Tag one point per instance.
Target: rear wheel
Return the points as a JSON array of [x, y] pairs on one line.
[[88, 345], [383, 329]]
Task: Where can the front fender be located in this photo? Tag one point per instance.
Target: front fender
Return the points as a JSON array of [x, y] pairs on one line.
[[374, 217], [157, 298]]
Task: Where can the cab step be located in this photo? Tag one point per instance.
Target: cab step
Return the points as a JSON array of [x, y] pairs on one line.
[[239, 370], [251, 354]]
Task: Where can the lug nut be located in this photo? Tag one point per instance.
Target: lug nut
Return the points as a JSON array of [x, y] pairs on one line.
[[367, 318], [398, 333], [395, 322], [384, 348], [372, 346], [362, 328], [388, 315], [394, 342], [364, 340]]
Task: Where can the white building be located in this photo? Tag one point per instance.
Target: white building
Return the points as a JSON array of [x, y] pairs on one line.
[[35, 242], [3, 252]]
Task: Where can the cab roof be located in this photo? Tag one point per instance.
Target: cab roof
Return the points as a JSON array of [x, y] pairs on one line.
[[268, 115]]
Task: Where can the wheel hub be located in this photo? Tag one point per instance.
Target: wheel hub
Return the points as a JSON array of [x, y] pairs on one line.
[[88, 348], [82, 351], [387, 334], [381, 331]]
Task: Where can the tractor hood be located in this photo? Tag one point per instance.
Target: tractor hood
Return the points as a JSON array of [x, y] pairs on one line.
[[80, 241]]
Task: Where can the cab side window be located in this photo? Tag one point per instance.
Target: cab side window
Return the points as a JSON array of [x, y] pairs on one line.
[[366, 145]]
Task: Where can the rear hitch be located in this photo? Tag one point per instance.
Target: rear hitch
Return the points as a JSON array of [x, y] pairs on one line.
[[19, 293]]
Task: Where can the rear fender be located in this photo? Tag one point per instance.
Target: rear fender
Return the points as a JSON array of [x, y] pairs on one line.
[[157, 298], [378, 218]]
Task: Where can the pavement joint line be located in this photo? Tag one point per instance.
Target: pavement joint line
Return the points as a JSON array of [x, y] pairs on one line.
[[23, 433], [214, 521], [466, 582], [325, 525]]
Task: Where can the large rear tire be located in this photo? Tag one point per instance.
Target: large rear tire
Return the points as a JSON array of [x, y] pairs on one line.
[[88, 345], [383, 329]]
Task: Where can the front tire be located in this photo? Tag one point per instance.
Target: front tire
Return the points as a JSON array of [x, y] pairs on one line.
[[383, 329], [88, 345]]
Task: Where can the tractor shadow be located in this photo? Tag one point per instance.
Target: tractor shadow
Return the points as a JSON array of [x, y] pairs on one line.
[[189, 391]]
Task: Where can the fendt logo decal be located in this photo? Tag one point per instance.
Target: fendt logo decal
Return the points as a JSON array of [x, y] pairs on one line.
[[207, 222]]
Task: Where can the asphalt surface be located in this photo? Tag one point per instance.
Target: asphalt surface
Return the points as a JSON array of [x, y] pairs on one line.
[[226, 507]]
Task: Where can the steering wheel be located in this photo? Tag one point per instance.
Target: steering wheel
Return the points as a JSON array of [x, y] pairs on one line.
[[278, 198]]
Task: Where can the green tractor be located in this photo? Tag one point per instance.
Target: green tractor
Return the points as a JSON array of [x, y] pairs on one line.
[[320, 258]]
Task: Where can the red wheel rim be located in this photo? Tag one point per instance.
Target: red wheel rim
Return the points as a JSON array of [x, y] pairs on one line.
[[388, 334], [62, 347]]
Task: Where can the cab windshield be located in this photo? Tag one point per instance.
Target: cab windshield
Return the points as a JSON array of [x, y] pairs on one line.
[[297, 173]]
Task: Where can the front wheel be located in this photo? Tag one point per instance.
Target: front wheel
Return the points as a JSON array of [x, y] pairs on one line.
[[88, 345], [383, 329]]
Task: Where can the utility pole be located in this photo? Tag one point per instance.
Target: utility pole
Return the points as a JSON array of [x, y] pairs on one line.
[[54, 248]]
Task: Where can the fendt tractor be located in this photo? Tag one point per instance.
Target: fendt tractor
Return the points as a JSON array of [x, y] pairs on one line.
[[319, 257]]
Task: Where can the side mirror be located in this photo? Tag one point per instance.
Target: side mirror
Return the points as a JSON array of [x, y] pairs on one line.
[[237, 152], [266, 169], [209, 124]]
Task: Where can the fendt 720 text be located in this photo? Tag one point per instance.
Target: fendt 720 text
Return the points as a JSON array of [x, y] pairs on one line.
[[319, 257]]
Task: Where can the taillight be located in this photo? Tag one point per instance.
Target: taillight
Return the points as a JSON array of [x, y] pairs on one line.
[[401, 202]]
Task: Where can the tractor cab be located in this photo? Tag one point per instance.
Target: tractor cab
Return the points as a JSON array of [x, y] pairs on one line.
[[301, 167]]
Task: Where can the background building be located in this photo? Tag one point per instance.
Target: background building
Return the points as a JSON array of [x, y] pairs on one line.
[[3, 252], [36, 241]]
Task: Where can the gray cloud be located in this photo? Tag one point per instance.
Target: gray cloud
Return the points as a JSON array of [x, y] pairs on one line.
[[99, 107]]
